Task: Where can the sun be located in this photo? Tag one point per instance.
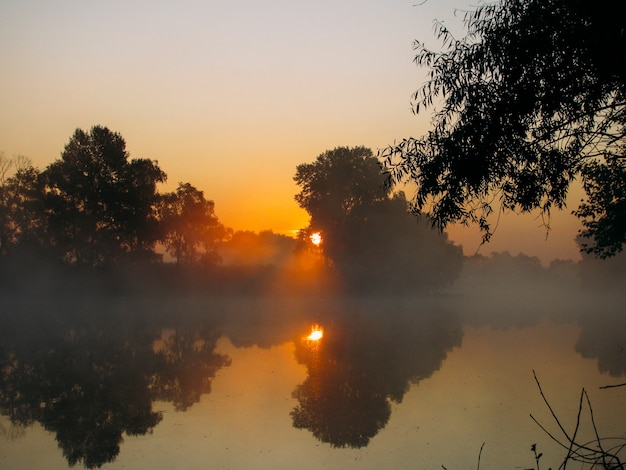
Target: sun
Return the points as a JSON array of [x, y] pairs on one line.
[[316, 238], [317, 333]]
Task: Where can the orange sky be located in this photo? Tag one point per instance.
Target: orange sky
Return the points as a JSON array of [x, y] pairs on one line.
[[229, 96]]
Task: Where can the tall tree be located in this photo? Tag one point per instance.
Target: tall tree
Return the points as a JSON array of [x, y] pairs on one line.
[[367, 231], [531, 98], [21, 221], [336, 188], [101, 206], [191, 228]]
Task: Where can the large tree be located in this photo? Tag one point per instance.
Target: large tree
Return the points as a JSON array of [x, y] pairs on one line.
[[337, 188], [101, 206], [367, 232], [21, 222], [191, 228], [533, 97]]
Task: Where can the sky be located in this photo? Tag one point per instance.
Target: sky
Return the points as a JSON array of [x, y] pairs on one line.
[[232, 96]]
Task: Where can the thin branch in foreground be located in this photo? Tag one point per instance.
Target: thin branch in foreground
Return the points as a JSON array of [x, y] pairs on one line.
[[595, 453], [480, 453], [613, 386]]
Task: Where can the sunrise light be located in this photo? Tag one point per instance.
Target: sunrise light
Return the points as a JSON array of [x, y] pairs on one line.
[[316, 238], [317, 333]]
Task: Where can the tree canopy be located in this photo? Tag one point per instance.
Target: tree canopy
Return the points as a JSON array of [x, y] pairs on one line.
[[21, 220], [191, 228], [532, 98], [100, 205], [367, 232]]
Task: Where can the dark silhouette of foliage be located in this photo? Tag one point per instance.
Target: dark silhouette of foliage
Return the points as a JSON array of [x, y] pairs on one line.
[[91, 380], [87, 387], [368, 233], [21, 216], [187, 365], [191, 228], [530, 99], [340, 184], [603, 214], [366, 360], [101, 206]]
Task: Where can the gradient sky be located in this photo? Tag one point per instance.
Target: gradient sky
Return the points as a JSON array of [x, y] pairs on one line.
[[230, 96]]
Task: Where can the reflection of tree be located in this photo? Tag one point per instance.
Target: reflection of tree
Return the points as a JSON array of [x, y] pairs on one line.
[[335, 402], [91, 384], [187, 365], [603, 336], [362, 364], [88, 388]]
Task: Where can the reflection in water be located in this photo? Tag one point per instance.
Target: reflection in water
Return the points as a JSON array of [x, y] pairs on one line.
[[187, 363], [90, 384], [92, 378], [365, 360], [603, 336], [86, 387]]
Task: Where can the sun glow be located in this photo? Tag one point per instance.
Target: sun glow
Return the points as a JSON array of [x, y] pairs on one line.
[[316, 238], [317, 333]]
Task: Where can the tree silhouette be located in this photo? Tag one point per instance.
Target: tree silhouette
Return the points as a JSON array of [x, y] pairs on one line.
[[532, 98], [191, 228], [21, 217], [367, 232], [101, 206]]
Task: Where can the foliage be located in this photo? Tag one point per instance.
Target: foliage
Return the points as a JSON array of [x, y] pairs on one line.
[[191, 228], [20, 212], [339, 185], [531, 98], [367, 232], [100, 205], [603, 214]]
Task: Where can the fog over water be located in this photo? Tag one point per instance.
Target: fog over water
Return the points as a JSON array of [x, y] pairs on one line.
[[107, 361]]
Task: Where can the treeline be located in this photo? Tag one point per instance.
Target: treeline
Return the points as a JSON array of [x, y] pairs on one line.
[[97, 216], [95, 206], [94, 222]]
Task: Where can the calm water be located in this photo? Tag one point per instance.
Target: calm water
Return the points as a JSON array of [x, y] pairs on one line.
[[235, 383]]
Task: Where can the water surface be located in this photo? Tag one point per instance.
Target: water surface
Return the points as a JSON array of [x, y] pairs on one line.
[[234, 383]]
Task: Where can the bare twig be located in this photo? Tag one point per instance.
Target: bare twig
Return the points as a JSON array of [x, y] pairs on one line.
[[613, 386], [479, 455], [594, 453]]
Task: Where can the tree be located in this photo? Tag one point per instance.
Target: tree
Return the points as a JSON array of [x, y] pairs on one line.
[[101, 206], [533, 97], [337, 187], [367, 232], [191, 228], [21, 220]]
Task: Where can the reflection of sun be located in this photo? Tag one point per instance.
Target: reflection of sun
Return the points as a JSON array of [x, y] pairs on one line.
[[317, 333], [316, 238]]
